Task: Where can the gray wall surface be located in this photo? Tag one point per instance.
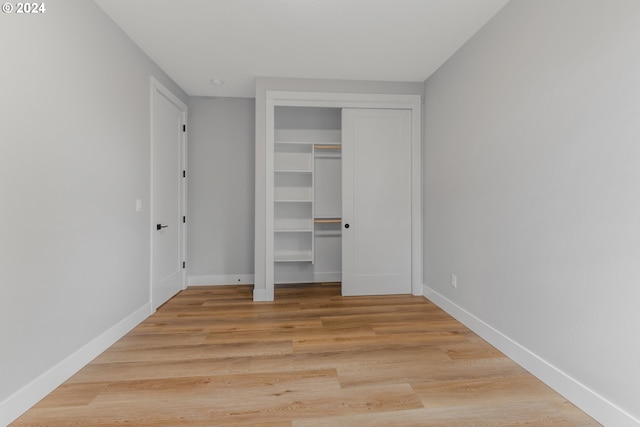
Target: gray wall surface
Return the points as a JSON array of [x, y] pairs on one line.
[[221, 186], [531, 186], [74, 157]]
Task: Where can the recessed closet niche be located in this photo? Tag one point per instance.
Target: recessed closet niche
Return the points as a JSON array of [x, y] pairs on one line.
[[338, 191], [307, 195]]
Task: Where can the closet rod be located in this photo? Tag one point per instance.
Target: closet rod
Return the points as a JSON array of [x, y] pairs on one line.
[[327, 221], [328, 147]]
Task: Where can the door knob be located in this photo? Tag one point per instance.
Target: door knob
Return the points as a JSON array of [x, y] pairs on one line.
[[160, 226], [346, 226]]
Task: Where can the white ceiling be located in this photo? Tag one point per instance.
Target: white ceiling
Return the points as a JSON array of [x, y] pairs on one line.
[[195, 41]]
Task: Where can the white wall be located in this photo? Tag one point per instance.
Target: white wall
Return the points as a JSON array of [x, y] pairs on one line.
[[74, 157], [532, 184], [221, 190]]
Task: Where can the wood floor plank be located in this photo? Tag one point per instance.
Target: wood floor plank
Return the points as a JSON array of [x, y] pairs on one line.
[[125, 371], [493, 391], [355, 360], [415, 372], [190, 352], [138, 340], [295, 333], [212, 357], [508, 415], [471, 350]]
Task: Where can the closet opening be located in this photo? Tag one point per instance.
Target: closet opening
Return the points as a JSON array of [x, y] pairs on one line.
[[338, 192], [307, 204]]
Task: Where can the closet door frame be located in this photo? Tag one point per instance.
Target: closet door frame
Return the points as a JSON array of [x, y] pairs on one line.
[[264, 286]]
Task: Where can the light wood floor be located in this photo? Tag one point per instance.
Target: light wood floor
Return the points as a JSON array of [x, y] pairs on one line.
[[212, 357]]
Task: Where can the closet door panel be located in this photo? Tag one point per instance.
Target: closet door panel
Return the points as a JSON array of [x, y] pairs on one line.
[[376, 202]]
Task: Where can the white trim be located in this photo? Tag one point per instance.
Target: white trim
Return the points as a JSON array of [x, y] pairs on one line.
[[19, 402], [269, 270], [248, 279], [416, 199], [343, 100], [598, 407], [219, 280], [159, 88], [317, 277], [162, 89], [260, 295]]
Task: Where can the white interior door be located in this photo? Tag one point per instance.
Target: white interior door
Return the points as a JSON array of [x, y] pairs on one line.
[[167, 134], [376, 201]]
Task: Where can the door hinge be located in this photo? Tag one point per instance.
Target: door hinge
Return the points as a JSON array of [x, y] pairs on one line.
[[184, 219], [184, 128], [184, 264], [184, 174]]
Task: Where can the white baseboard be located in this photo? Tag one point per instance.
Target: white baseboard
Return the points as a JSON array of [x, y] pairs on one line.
[[316, 277], [602, 410], [19, 402], [225, 279], [296, 277]]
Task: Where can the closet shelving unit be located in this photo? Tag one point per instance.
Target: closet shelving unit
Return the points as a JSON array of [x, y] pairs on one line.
[[293, 202], [296, 223]]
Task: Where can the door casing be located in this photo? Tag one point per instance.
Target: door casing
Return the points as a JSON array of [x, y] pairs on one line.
[[264, 264]]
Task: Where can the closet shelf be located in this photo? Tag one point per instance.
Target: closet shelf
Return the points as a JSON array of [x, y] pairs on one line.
[[293, 201], [292, 256], [301, 143]]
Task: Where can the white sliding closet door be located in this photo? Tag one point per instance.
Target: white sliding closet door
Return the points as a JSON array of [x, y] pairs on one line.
[[376, 201]]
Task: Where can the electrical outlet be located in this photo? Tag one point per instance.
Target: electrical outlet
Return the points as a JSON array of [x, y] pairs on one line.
[[454, 281]]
